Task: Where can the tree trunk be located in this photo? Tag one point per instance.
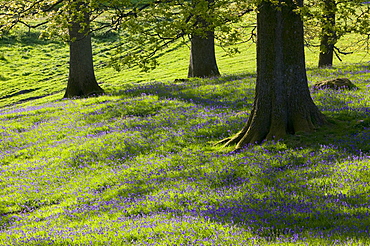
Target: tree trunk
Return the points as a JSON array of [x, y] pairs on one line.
[[81, 80], [282, 100], [328, 34], [202, 56], [202, 52]]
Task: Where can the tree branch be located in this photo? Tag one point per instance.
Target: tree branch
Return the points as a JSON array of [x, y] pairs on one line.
[[337, 51], [32, 26]]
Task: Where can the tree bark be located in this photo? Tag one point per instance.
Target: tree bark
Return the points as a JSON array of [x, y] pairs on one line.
[[81, 80], [202, 56], [202, 51], [282, 101], [328, 34]]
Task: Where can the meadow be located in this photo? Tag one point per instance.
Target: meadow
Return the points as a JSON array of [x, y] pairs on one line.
[[138, 165]]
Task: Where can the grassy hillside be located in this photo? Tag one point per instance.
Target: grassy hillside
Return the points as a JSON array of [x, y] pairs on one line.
[[137, 165]]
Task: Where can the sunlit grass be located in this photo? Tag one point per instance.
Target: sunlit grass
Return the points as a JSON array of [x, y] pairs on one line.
[[137, 166]]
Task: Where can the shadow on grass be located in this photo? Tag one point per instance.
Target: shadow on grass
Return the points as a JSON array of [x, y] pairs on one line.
[[348, 126], [21, 92], [26, 38], [5, 221], [349, 139], [295, 201], [298, 207], [105, 36], [28, 98], [283, 204], [279, 218], [342, 70], [191, 91]]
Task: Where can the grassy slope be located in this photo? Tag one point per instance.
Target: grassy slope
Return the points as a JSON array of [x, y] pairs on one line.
[[136, 166]]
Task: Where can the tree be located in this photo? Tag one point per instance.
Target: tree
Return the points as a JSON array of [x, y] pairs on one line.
[[332, 20], [282, 101], [69, 19], [202, 56], [159, 23], [81, 79], [329, 34], [202, 50]]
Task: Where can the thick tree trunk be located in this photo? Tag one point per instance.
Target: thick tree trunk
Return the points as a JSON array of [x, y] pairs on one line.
[[202, 56], [282, 101], [202, 51], [81, 80], [328, 34]]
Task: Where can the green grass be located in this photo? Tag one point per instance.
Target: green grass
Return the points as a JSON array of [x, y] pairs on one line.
[[137, 166]]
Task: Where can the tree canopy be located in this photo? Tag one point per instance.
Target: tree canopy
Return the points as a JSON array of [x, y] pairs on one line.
[[330, 20], [157, 24], [57, 15]]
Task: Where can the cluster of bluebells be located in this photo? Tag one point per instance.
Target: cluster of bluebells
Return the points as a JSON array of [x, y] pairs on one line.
[[140, 169]]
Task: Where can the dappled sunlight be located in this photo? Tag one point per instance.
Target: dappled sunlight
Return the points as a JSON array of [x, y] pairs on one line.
[[138, 165]]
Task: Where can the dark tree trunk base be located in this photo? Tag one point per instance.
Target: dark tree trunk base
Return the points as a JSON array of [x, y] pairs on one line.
[[260, 131], [77, 93], [326, 58], [86, 88]]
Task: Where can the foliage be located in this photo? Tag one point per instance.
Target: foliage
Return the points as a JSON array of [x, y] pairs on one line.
[[149, 27], [58, 15], [145, 28], [160, 23]]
